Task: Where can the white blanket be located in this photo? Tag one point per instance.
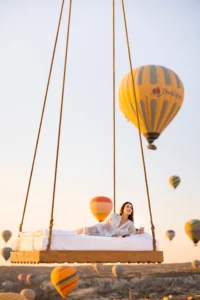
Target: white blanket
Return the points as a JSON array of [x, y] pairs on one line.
[[45, 232], [136, 242]]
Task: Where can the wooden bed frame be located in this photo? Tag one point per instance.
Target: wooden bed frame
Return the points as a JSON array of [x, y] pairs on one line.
[[73, 256]]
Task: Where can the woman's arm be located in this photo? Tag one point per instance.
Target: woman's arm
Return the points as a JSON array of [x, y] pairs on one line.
[[132, 230], [109, 218], [140, 230]]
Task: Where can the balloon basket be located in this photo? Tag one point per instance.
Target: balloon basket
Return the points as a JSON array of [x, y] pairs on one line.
[[152, 147]]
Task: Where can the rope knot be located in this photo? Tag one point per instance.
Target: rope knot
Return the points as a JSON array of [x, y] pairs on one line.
[[20, 227]]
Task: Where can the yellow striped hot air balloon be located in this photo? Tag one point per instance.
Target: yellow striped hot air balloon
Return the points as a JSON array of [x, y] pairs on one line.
[[101, 207], [64, 279], [170, 234], [192, 229], [159, 94], [174, 181]]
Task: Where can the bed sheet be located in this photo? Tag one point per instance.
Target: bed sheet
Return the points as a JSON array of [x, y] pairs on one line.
[[142, 242]]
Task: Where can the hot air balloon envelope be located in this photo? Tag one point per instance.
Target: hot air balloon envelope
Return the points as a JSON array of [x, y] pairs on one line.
[[7, 285], [170, 234], [117, 270], [6, 235], [64, 279], [5, 252], [30, 278], [174, 181], [192, 229], [98, 267], [101, 207], [159, 95]]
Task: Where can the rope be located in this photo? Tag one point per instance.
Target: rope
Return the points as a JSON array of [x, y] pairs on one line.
[[41, 118], [59, 128], [139, 131], [113, 67]]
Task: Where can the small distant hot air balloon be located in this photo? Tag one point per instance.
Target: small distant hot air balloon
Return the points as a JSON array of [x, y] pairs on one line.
[[22, 278], [152, 147], [170, 234], [5, 252], [98, 267], [11, 296], [6, 235], [64, 279], [7, 286], [117, 270], [101, 207], [174, 181], [195, 264], [159, 95], [46, 285], [28, 293], [192, 229], [30, 278]]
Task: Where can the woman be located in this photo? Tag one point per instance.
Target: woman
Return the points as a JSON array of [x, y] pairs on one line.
[[114, 225]]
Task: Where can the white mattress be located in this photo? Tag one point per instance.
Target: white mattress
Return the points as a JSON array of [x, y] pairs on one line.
[[137, 242]]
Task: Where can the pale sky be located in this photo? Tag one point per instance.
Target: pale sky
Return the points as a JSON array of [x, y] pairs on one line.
[[160, 32]]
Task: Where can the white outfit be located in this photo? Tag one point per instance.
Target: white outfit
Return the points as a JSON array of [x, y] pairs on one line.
[[109, 227]]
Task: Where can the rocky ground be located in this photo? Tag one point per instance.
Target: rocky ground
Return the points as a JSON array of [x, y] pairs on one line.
[[159, 281]]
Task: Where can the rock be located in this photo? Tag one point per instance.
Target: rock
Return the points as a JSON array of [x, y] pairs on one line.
[[170, 297], [132, 295], [189, 280], [154, 296], [134, 280], [193, 291], [47, 285], [167, 281], [83, 293], [147, 278]]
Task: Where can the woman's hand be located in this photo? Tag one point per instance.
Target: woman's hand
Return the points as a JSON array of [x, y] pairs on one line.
[[141, 230], [114, 235]]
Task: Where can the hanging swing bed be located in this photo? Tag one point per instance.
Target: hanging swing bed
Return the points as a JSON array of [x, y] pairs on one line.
[[122, 250]]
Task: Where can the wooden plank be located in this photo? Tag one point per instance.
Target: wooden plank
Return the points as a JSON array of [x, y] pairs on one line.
[[25, 257], [86, 256]]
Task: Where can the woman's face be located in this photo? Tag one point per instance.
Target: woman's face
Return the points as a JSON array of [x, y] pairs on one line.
[[128, 209]]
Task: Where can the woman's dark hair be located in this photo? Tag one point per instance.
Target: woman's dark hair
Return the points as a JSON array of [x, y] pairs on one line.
[[131, 216]]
